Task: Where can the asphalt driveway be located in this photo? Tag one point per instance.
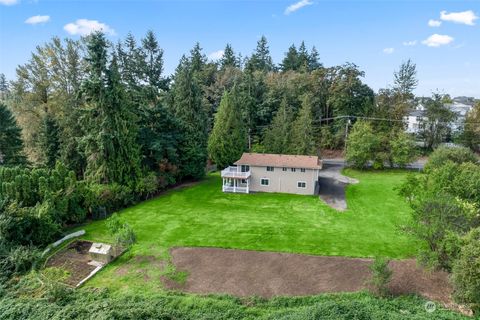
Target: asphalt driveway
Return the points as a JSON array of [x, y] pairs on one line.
[[332, 185]]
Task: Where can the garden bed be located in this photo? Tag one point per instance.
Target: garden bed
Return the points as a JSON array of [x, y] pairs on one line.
[[267, 274], [74, 259]]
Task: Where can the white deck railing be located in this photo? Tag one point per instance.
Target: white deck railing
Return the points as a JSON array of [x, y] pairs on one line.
[[235, 189], [232, 172]]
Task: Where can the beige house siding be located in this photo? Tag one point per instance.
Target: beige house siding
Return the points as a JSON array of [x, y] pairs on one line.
[[283, 181]]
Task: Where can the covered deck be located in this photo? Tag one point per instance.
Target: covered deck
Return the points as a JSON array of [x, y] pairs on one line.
[[234, 180]]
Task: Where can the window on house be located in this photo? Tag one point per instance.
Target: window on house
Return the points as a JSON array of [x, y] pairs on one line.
[[302, 170], [269, 168], [293, 169], [284, 169], [245, 168], [244, 181], [264, 182], [301, 184]]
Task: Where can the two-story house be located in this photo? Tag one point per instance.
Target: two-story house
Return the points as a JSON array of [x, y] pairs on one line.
[[260, 172]]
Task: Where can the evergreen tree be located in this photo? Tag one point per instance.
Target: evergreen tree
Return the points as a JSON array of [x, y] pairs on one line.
[[160, 136], [228, 59], [261, 59], [302, 140], [314, 60], [152, 67], [303, 58], [109, 124], [50, 141], [291, 60], [228, 138], [277, 136], [188, 108], [11, 144], [198, 60], [3, 87]]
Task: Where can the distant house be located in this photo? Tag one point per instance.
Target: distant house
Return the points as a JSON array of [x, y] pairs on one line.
[[416, 118], [260, 172]]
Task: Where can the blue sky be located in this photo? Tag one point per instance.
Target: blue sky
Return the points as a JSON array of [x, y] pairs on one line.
[[441, 37]]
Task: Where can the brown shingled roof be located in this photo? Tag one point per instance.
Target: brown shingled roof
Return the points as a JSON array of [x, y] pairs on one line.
[[280, 160]]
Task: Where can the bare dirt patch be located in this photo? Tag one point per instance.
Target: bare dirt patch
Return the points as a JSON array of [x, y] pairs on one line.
[[267, 274], [74, 259]]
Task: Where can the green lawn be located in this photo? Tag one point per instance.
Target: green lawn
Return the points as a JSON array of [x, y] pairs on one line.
[[204, 216]]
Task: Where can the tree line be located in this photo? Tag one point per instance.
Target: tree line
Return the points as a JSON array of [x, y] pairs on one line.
[[89, 126]]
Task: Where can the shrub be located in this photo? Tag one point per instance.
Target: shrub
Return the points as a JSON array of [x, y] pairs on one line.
[[54, 288], [125, 236], [381, 276], [466, 272], [402, 149], [107, 198], [121, 232], [455, 154], [362, 145], [16, 260]]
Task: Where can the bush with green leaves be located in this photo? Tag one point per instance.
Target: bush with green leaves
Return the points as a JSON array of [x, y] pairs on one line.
[[16, 260], [362, 144], [122, 232], [87, 304], [466, 272], [455, 154], [381, 276], [402, 149]]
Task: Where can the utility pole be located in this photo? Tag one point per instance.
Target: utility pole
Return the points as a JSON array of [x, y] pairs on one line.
[[346, 136], [249, 139]]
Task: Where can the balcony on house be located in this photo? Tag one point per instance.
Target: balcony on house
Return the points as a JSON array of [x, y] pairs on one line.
[[236, 179]]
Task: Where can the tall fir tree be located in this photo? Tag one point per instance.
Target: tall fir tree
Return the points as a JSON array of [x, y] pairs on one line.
[[50, 140], [3, 87], [229, 59], [302, 139], [291, 61], [11, 144], [188, 108], [261, 59], [303, 58], [227, 141], [109, 124], [152, 68], [314, 60], [277, 135]]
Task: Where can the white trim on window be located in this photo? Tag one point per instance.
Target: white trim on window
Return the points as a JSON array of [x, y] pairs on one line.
[[262, 182], [300, 183], [271, 169]]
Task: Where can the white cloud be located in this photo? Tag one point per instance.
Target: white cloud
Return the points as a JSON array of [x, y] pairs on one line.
[[410, 43], [437, 40], [466, 17], [388, 50], [297, 5], [9, 2], [37, 19], [434, 23], [84, 27], [216, 55]]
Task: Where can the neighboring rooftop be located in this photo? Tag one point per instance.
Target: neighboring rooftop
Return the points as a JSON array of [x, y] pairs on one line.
[[280, 160]]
